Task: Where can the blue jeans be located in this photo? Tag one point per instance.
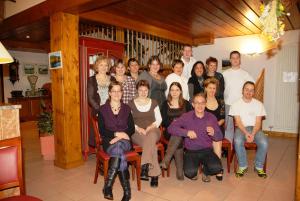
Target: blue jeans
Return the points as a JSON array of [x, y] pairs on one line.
[[261, 141], [229, 131]]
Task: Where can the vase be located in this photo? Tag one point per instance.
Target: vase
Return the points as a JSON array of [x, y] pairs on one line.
[[47, 147]]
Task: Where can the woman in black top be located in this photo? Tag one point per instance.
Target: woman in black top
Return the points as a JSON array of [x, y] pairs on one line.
[[171, 109], [195, 82], [217, 107], [211, 72], [116, 127]]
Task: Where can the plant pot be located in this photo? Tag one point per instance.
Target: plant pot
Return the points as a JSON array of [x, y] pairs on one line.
[[47, 147]]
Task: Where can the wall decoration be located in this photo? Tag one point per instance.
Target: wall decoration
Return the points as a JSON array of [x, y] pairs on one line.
[[14, 71], [55, 60], [43, 69], [225, 64], [29, 69]]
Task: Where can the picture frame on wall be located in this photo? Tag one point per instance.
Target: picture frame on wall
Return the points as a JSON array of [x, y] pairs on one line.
[[55, 60], [29, 69], [43, 69], [225, 64]]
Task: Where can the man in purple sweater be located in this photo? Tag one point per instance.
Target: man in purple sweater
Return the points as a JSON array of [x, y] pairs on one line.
[[199, 129]]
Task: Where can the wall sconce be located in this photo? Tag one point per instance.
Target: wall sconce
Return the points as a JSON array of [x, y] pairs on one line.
[[252, 46], [4, 55]]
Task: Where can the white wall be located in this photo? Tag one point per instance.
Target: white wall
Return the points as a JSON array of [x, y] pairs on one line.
[[12, 8], [23, 84], [274, 66]]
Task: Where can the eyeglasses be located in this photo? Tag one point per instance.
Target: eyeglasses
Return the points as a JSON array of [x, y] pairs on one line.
[[115, 92], [199, 103]]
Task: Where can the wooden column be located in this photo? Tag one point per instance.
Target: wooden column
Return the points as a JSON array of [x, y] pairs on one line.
[[65, 91]]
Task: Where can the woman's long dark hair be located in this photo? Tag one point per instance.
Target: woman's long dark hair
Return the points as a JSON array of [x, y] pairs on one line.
[[181, 101], [193, 74]]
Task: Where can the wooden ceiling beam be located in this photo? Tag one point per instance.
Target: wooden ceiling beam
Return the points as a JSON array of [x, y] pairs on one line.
[[48, 8], [27, 46], [204, 40], [123, 22]]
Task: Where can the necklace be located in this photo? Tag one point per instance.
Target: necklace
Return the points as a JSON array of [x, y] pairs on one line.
[[115, 108]]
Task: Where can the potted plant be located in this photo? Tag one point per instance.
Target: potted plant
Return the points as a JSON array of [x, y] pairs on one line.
[[45, 126]]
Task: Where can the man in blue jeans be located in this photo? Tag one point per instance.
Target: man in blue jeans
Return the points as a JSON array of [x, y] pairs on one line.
[[248, 113]]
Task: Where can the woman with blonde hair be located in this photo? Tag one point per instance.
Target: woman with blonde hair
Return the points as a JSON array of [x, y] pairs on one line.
[[216, 106]]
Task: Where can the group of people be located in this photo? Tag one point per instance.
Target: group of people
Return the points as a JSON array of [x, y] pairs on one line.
[[195, 106]]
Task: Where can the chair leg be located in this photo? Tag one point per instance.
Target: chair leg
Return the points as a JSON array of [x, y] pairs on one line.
[[97, 171], [162, 156], [265, 165], [168, 171], [105, 169], [133, 171], [235, 163], [229, 152], [138, 173]]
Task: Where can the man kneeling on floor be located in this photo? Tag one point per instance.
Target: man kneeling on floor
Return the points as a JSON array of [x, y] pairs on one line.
[[248, 113], [199, 129]]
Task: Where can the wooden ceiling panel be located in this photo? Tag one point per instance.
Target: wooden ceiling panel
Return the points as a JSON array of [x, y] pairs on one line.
[[235, 14], [193, 20], [209, 7], [294, 11]]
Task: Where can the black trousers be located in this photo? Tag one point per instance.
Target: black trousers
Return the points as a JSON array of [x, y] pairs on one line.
[[194, 158]]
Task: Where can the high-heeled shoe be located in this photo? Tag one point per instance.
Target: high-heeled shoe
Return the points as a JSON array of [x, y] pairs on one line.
[[220, 177], [154, 182]]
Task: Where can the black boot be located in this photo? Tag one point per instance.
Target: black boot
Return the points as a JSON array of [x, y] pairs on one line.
[[144, 172], [114, 164], [124, 180]]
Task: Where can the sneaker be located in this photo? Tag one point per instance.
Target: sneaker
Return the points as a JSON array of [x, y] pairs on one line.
[[260, 173], [241, 171], [205, 178]]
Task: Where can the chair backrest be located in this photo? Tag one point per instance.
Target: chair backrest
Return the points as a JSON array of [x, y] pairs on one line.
[[98, 139], [11, 171]]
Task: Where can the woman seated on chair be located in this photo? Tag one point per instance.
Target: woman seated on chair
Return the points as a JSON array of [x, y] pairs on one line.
[[216, 107], [147, 119], [173, 108], [116, 127]]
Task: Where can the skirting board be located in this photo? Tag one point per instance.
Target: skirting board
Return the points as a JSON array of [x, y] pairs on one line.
[[281, 134]]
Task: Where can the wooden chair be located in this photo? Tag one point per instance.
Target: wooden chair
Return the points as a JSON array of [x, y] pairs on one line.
[[164, 141], [11, 169], [103, 158], [249, 146]]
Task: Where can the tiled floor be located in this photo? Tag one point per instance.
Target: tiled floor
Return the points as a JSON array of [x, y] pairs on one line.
[[50, 183]]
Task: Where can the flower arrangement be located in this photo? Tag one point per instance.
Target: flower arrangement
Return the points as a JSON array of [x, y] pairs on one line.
[[272, 19], [45, 120]]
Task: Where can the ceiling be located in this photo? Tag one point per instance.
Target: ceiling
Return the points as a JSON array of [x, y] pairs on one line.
[[193, 21]]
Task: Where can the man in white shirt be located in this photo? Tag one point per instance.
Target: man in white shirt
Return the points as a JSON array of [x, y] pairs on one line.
[[234, 79], [177, 76], [248, 114], [188, 60]]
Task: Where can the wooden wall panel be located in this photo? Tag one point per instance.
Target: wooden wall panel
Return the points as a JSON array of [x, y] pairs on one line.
[[65, 90]]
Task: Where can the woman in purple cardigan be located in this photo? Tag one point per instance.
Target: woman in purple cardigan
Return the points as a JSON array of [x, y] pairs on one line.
[[116, 127]]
